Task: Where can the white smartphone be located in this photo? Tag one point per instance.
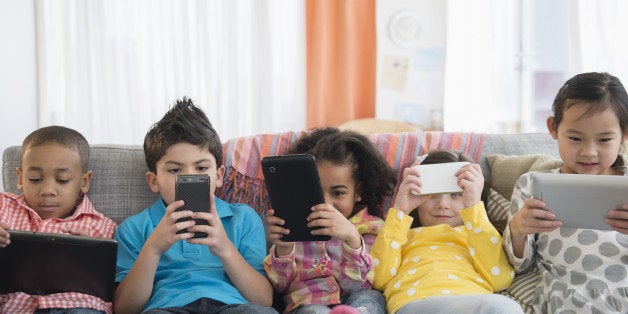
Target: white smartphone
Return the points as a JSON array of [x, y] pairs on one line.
[[439, 178]]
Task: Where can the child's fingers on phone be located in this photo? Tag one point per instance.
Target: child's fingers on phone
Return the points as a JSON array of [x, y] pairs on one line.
[[174, 206], [180, 214], [184, 224]]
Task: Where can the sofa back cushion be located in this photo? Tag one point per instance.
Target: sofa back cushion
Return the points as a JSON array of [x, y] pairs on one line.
[[119, 187]]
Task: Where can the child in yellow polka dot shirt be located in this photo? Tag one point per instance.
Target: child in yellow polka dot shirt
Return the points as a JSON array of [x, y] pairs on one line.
[[438, 253]]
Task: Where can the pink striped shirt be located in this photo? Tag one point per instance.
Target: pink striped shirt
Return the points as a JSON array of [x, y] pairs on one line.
[[19, 216], [323, 272]]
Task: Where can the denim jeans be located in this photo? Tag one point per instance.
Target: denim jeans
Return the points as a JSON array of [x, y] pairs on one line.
[[477, 303], [76, 310], [209, 306], [365, 301]]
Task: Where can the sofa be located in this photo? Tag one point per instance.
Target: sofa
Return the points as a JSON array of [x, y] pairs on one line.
[[119, 189]]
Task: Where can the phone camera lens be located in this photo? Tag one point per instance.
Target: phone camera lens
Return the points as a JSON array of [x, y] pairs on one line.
[[272, 169]]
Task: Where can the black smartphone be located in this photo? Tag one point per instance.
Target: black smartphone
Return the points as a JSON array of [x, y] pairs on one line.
[[193, 189], [293, 188]]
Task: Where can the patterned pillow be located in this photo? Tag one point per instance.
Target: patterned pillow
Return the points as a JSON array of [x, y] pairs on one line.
[[497, 209]]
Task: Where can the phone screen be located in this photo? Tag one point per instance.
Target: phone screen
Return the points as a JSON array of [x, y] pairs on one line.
[[193, 189]]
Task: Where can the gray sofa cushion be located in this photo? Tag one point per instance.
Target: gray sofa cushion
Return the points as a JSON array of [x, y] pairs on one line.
[[118, 187]]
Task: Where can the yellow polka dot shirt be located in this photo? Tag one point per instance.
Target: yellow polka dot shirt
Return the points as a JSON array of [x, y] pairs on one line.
[[412, 264]]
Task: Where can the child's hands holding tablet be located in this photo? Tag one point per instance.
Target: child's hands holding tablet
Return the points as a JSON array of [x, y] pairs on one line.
[[293, 188]]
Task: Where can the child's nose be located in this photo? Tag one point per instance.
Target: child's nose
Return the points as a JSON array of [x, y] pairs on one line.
[[48, 188], [443, 201], [589, 149]]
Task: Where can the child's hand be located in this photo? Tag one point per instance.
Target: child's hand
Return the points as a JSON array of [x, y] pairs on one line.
[[471, 181], [618, 219], [532, 218], [332, 223], [406, 201], [77, 232], [276, 232], [165, 234], [217, 240], [4, 235]]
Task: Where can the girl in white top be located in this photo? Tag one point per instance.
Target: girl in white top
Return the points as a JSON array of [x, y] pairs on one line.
[[581, 270]]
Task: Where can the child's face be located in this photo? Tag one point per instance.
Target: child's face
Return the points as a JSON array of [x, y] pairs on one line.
[[183, 158], [587, 144], [441, 209], [51, 178], [338, 186]]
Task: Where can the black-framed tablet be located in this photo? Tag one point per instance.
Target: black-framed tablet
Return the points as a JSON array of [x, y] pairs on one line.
[[293, 188], [45, 263]]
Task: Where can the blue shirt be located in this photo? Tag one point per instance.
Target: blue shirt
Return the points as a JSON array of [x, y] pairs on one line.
[[188, 272]]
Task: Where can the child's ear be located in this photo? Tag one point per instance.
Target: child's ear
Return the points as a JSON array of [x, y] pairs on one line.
[[151, 178], [220, 175], [551, 127], [86, 181], [18, 170]]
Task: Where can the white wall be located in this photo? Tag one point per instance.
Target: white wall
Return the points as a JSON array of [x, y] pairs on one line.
[[18, 79], [410, 78]]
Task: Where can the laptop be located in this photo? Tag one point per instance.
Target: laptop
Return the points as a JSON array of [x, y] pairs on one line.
[[45, 263], [580, 200]]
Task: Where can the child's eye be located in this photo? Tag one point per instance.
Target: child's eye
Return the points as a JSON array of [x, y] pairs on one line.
[[63, 181], [456, 195], [176, 170], [604, 140], [202, 168], [338, 193], [575, 139], [34, 180]]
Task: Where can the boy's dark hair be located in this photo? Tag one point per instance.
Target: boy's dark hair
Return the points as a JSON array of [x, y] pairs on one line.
[[374, 178], [440, 156], [184, 122], [60, 135], [599, 92]]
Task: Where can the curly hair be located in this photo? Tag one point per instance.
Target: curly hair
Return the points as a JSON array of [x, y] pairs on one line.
[[374, 178]]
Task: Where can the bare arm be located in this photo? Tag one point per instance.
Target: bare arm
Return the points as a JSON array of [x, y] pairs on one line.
[[136, 288]]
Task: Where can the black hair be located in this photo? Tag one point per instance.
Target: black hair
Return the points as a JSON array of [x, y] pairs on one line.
[[184, 122], [374, 178], [598, 91], [61, 135]]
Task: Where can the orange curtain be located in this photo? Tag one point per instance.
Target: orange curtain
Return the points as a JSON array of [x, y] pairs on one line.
[[341, 58]]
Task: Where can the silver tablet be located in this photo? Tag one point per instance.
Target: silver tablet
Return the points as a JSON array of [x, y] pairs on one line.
[[580, 200]]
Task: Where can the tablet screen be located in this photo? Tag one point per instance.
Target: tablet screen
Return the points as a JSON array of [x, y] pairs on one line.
[[580, 200]]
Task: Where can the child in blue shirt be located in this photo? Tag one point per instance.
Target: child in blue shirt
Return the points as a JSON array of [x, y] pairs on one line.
[[162, 271]]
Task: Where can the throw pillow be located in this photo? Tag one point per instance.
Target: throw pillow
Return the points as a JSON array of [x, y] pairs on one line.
[[497, 209], [506, 169]]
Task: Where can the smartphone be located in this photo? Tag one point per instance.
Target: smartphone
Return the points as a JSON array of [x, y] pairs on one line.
[[193, 189], [440, 178], [293, 188]]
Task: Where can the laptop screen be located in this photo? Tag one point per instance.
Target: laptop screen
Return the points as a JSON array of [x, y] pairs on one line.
[[44, 263]]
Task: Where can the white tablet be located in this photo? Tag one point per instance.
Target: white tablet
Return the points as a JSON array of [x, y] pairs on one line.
[[439, 178], [580, 200]]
